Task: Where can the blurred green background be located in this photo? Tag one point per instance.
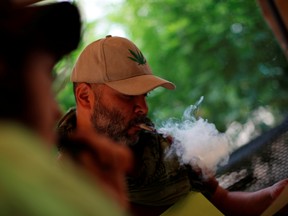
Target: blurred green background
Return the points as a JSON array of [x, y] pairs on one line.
[[220, 49]]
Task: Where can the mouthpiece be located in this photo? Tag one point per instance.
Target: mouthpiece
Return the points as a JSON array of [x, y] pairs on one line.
[[146, 127]]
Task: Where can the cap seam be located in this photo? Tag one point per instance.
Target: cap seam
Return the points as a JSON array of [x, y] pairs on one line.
[[132, 77], [105, 63]]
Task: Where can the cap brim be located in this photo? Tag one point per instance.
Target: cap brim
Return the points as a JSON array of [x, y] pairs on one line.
[[140, 84]]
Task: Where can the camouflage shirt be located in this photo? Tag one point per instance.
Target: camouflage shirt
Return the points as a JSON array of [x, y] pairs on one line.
[[157, 180]]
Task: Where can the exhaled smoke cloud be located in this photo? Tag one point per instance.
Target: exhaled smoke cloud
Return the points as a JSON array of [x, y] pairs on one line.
[[196, 141]]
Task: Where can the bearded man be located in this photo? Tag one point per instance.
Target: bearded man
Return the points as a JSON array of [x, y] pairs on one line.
[[111, 81]]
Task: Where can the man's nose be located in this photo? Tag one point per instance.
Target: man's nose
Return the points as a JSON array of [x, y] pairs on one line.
[[141, 105]]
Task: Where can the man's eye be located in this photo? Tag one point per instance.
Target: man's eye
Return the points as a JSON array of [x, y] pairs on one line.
[[128, 97]]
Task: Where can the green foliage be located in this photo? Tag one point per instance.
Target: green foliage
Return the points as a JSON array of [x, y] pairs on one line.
[[222, 50]]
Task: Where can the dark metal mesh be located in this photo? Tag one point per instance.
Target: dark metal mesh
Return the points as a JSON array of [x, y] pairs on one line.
[[259, 164]]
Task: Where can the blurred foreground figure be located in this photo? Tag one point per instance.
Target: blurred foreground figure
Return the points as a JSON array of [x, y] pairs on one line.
[[111, 81], [32, 40]]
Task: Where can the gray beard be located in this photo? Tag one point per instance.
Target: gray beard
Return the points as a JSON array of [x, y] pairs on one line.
[[110, 123]]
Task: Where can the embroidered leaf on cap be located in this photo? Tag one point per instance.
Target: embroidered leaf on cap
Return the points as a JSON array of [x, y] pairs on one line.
[[138, 57]]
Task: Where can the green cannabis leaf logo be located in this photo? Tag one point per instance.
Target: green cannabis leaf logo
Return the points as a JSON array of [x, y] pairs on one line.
[[138, 57]]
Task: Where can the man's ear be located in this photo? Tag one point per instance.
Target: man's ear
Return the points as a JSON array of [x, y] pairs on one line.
[[84, 95]]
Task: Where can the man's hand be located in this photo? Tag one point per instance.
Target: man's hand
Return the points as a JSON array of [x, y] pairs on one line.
[[247, 203]]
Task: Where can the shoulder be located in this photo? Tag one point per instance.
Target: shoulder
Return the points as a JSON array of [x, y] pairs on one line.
[[68, 121], [65, 127]]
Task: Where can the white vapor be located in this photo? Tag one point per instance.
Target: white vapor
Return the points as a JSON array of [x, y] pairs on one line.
[[196, 141]]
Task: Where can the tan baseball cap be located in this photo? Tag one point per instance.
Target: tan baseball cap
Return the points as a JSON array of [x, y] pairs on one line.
[[118, 63]]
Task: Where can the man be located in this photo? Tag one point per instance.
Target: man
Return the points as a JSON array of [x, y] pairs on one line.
[[111, 81], [32, 40]]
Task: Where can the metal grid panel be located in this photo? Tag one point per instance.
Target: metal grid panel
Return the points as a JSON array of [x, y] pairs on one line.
[[259, 164]]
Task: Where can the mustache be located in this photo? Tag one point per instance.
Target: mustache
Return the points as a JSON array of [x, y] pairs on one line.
[[141, 120]]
